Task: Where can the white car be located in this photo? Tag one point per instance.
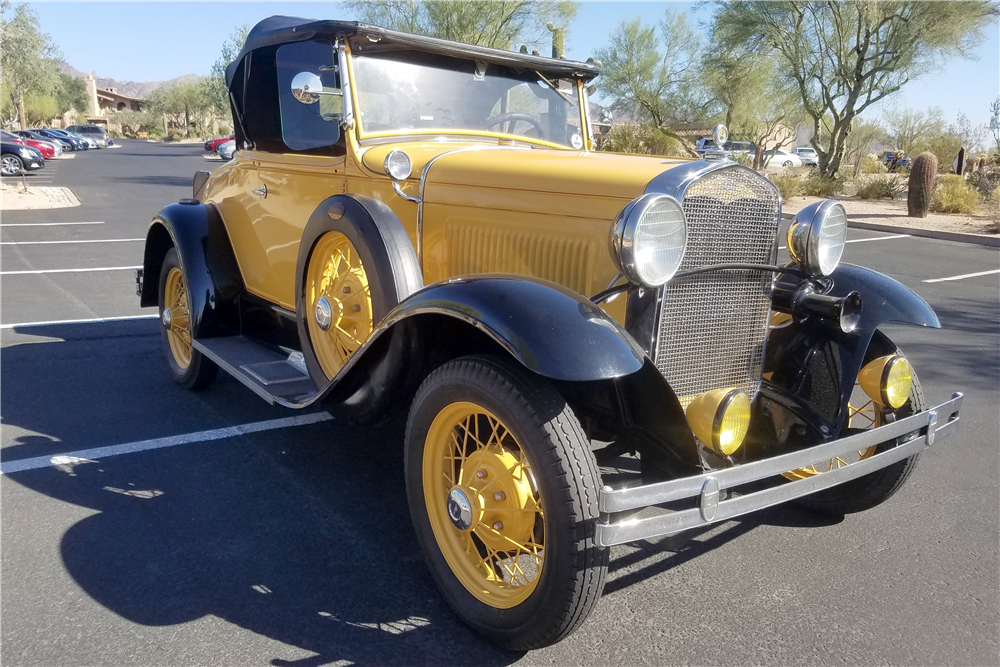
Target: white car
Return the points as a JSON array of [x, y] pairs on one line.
[[808, 156], [227, 150], [782, 159]]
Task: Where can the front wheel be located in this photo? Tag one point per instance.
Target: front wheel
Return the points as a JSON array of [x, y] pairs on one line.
[[503, 490], [11, 165], [787, 163]]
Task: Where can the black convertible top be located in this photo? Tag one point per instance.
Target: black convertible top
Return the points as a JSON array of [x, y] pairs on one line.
[[286, 29]]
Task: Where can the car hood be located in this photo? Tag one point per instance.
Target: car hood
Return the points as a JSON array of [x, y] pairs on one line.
[[473, 174]]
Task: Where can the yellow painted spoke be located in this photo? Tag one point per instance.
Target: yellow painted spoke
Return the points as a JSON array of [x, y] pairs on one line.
[[521, 465]]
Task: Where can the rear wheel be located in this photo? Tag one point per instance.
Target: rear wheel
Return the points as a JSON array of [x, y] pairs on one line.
[[866, 492], [187, 366], [503, 488]]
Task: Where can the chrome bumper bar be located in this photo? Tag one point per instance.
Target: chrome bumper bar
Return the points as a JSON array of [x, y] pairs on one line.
[[929, 427]]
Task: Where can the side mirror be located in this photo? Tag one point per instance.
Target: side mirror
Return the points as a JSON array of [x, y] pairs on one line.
[[307, 88]]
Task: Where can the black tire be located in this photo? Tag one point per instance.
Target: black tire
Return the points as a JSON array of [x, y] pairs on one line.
[[12, 165], [871, 490], [567, 479], [386, 252], [787, 163], [199, 372]]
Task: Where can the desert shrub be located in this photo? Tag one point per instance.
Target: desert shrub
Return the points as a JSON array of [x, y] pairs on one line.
[[789, 184], [639, 139], [742, 157], [954, 195], [986, 180], [880, 185], [870, 164], [817, 185]]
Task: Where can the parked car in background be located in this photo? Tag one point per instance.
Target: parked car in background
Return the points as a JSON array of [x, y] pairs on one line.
[[63, 144], [782, 158], [94, 133], [91, 142], [77, 143], [48, 149], [895, 160], [808, 156], [17, 158], [212, 145], [227, 150], [419, 224], [706, 148]]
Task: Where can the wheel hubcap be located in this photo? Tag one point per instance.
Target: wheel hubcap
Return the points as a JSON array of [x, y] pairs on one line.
[[483, 506], [324, 314], [166, 318]]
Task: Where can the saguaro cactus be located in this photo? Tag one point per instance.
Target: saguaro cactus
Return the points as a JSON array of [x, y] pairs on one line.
[[922, 175]]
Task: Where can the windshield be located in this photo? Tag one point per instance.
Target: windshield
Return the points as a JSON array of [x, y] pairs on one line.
[[431, 94]]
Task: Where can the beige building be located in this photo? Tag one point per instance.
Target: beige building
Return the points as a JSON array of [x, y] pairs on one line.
[[103, 103]]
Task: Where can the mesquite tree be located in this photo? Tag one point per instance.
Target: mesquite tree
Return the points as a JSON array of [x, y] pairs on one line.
[[845, 56]]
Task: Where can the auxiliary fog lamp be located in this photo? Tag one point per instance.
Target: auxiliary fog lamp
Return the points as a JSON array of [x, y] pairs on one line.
[[720, 418], [887, 380]]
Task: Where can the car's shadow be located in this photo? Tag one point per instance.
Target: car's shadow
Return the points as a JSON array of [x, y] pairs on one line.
[[301, 535]]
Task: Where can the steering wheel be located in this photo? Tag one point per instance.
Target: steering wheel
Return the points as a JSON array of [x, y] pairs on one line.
[[534, 121]]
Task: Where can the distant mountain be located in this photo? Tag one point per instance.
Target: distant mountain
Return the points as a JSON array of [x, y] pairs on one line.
[[130, 88]]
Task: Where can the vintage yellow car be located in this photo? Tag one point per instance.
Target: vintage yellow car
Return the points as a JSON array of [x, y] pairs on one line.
[[420, 225]]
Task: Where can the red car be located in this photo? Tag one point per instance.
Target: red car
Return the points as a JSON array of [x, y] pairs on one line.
[[46, 148], [213, 144]]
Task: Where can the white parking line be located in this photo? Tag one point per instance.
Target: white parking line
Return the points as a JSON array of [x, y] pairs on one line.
[[90, 455], [877, 238], [46, 224], [79, 241], [967, 275], [96, 320], [102, 268]]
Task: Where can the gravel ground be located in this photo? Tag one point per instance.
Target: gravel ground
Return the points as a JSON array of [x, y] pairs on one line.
[[893, 212]]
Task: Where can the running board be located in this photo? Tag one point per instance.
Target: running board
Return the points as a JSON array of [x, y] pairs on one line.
[[271, 375]]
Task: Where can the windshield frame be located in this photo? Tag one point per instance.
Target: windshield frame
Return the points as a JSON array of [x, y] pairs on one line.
[[580, 99]]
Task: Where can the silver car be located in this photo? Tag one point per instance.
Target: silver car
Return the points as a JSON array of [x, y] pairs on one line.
[[95, 135], [808, 156], [227, 150]]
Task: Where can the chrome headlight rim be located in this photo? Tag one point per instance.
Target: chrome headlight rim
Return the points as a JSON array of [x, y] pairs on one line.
[[623, 233], [806, 237]]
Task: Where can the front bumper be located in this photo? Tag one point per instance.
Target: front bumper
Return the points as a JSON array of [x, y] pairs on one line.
[[617, 523]]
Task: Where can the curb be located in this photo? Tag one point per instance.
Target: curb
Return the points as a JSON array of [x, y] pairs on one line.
[[940, 235], [72, 197]]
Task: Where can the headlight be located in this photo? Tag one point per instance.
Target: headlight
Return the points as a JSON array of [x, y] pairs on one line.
[[817, 235], [397, 165], [26, 152], [648, 238]]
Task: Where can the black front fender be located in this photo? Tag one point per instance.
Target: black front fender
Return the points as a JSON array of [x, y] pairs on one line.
[[207, 260], [551, 330], [813, 360]]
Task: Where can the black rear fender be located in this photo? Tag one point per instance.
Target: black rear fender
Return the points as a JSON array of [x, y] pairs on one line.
[[207, 260]]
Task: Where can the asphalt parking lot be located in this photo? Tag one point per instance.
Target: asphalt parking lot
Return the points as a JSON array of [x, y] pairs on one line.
[[289, 542]]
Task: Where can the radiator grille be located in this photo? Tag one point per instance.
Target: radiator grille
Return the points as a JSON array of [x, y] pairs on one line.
[[476, 249], [712, 326]]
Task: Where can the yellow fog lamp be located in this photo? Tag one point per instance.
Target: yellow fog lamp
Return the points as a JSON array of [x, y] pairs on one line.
[[720, 419], [887, 380]]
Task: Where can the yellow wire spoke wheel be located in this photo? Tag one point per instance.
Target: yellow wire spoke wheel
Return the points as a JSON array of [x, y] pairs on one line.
[[862, 413], [178, 322], [484, 509], [338, 301]]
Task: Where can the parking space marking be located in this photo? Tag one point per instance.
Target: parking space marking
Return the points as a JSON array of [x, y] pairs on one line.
[[77, 241], [96, 320], [71, 459], [967, 275], [877, 238], [46, 224], [100, 268]]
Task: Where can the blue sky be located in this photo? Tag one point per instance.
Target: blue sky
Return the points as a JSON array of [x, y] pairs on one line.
[[155, 41]]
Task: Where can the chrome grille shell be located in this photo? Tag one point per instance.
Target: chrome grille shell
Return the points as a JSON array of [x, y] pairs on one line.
[[712, 327]]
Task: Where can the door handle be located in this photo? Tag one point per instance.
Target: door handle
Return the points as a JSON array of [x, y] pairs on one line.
[[261, 192]]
